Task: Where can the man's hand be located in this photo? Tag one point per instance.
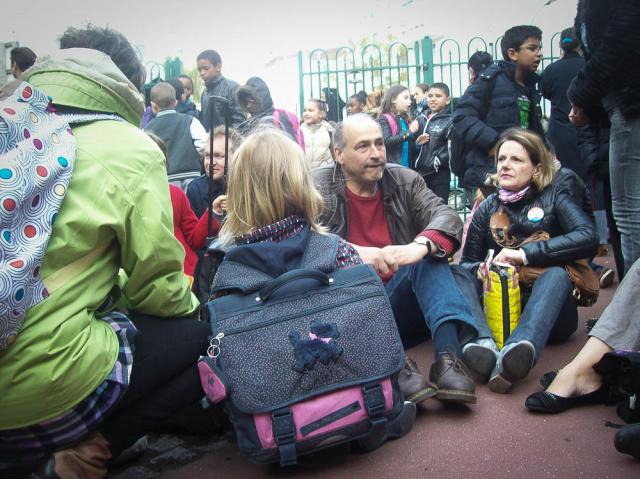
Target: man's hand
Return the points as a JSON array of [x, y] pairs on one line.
[[383, 263], [577, 116], [407, 254], [509, 256]]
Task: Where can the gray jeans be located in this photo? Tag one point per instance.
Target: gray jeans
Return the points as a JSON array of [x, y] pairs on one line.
[[624, 168], [619, 324]]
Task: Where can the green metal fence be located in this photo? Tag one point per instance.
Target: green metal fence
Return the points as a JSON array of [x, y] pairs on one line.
[[349, 69]]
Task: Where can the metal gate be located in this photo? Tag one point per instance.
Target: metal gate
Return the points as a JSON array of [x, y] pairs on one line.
[[371, 67]]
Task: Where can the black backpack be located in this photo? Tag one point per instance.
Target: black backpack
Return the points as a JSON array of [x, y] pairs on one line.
[[457, 149]]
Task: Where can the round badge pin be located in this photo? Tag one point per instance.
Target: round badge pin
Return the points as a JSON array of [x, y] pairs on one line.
[[535, 214]]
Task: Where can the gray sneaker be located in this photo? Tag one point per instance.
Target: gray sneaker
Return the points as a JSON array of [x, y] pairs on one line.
[[480, 357], [514, 363]]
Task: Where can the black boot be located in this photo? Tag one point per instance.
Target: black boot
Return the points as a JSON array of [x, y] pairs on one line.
[[627, 440]]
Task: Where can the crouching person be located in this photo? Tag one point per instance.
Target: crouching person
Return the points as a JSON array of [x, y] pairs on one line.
[[406, 232], [95, 365]]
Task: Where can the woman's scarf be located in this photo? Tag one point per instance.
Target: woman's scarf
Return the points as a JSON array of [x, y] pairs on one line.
[[507, 196]]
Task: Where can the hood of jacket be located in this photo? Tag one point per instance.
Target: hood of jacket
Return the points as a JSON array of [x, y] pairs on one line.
[[89, 80], [530, 80], [257, 89]]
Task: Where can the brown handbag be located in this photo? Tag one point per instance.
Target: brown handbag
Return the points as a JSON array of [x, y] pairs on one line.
[[586, 284]]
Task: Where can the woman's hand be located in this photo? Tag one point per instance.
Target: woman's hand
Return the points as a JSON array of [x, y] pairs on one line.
[[509, 256], [577, 116], [219, 205]]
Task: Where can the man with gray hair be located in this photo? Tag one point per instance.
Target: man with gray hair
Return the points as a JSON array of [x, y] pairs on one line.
[[406, 233], [184, 135]]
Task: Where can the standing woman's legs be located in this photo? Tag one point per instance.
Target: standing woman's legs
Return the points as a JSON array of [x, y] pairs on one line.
[[624, 168]]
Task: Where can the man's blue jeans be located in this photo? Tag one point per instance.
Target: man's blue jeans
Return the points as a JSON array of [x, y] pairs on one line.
[[624, 169], [426, 292], [550, 313]]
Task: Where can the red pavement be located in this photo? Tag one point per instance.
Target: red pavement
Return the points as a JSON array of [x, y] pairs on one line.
[[496, 438]]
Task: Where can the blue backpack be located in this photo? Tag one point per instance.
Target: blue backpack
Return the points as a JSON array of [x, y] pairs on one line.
[[304, 360]]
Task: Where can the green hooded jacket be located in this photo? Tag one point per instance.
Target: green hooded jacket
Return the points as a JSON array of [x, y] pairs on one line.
[[115, 216]]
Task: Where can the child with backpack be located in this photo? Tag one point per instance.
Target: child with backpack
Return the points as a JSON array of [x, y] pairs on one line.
[[397, 131], [317, 134], [255, 98], [433, 157], [286, 280]]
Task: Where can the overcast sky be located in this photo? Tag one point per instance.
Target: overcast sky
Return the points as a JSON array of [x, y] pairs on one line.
[[263, 37]]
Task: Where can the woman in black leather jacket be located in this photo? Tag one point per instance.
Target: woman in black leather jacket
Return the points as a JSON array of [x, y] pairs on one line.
[[532, 203]]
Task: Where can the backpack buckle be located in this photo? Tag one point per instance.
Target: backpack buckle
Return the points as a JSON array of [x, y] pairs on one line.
[[374, 400]]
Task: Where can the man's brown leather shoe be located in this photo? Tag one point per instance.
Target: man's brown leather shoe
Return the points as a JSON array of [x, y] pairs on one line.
[[413, 384], [86, 460], [450, 377]]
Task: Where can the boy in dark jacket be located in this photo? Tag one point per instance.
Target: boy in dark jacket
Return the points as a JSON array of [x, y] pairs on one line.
[[502, 97], [433, 143], [210, 67]]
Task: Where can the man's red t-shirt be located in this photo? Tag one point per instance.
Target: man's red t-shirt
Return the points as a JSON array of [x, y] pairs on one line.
[[368, 224]]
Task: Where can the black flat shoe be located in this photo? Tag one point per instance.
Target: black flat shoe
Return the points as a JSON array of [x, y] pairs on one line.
[[544, 401], [547, 378]]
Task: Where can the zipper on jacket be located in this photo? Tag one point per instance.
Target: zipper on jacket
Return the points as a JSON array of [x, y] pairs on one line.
[[424, 130]]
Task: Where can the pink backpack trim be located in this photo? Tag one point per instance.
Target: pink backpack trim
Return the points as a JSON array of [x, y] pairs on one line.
[[311, 410], [393, 123], [293, 121]]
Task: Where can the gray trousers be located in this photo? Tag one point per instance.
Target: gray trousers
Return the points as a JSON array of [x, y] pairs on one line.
[[619, 325], [624, 168]]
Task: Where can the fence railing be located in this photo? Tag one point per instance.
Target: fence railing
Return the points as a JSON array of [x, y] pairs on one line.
[[349, 69]]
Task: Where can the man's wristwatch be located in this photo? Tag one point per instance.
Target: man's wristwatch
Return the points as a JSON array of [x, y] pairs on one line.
[[424, 241]]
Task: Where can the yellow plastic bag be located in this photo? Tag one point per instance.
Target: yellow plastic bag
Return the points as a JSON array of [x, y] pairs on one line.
[[501, 300]]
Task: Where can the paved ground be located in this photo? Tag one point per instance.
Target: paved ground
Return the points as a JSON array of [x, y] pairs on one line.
[[496, 438]]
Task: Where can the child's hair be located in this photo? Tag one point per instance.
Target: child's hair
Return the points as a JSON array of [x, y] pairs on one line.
[[269, 180], [389, 97], [322, 106], [568, 40], [186, 77], [374, 99], [210, 55], [178, 87], [161, 144], [479, 61], [537, 151], [112, 43], [516, 36], [164, 95], [23, 57], [441, 86], [423, 86], [361, 97]]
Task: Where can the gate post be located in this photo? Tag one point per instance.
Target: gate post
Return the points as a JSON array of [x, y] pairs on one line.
[[300, 83], [427, 60]]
